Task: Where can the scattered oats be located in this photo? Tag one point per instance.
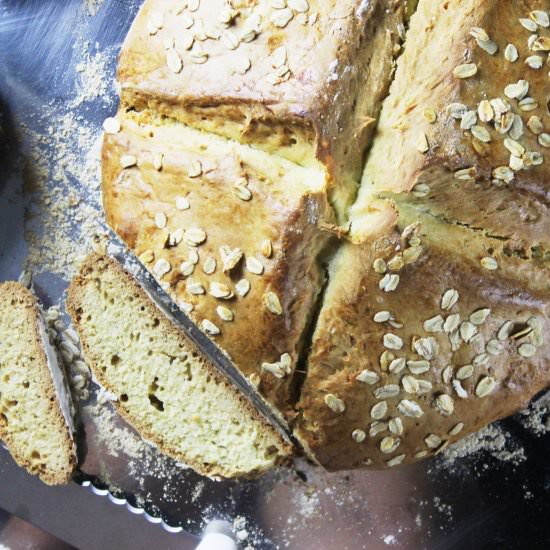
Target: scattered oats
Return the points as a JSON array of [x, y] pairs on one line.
[[385, 359], [444, 404], [420, 454], [411, 254], [358, 436], [517, 129], [459, 389], [533, 158], [230, 257], [253, 265], [195, 236], [488, 45], [379, 410], [230, 40], [544, 140], [511, 53], [281, 18], [534, 61], [279, 57], [421, 190], [504, 173], [160, 220], [424, 386], [111, 125], [451, 323], [529, 24], [505, 331], [209, 327], [389, 444], [225, 314], [466, 173], [481, 133], [195, 169], [187, 268], [527, 350], [430, 115], [209, 265], [266, 248], [489, 263], [161, 267], [485, 386], [518, 90], [426, 347], [384, 392], [382, 317], [334, 403], [127, 161], [147, 256], [449, 299], [174, 61], [187, 21], [467, 70], [485, 111], [467, 331], [435, 324], [193, 256], [377, 428], [379, 266], [397, 365], [242, 64], [242, 191], [176, 237], [220, 291], [456, 429], [410, 408], [480, 359], [272, 303], [422, 144], [389, 282], [396, 426], [447, 374], [418, 367], [242, 287], [391, 341], [514, 147], [182, 203], [410, 384], [368, 377], [195, 288], [396, 263], [276, 369], [465, 372], [395, 461], [432, 441], [198, 55], [469, 120], [540, 18], [480, 316]]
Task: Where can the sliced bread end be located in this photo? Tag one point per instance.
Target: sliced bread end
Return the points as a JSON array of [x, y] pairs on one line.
[[34, 424]]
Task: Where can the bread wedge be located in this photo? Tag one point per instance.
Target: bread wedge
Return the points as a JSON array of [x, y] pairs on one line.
[[36, 414], [163, 385]]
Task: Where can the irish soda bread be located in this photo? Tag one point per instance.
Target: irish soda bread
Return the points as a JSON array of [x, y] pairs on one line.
[[163, 386], [36, 414], [235, 155]]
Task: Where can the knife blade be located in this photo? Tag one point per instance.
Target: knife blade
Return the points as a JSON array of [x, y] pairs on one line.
[[221, 361]]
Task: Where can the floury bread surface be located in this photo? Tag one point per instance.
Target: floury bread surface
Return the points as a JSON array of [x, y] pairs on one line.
[[36, 420], [164, 387]]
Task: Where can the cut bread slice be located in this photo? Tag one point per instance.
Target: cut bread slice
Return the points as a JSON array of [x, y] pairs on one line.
[[36, 414], [164, 387]]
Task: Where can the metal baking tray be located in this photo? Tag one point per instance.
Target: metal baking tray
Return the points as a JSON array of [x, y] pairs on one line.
[[57, 63]]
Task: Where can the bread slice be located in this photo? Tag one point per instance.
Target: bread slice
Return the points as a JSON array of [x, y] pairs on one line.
[[278, 230], [36, 420], [164, 387]]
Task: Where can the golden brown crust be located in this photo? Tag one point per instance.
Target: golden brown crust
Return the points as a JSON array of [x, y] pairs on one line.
[[349, 341], [282, 211], [334, 61], [91, 269], [20, 297], [444, 36]]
